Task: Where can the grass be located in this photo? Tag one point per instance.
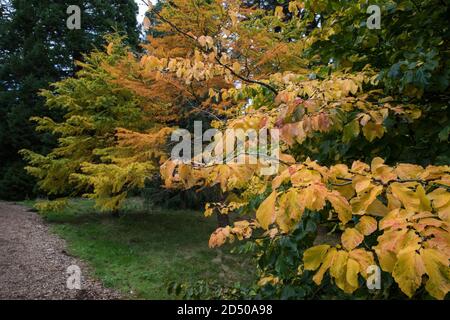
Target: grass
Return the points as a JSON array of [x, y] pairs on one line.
[[140, 252]]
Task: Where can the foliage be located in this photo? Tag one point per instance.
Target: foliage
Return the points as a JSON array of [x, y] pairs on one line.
[[333, 106], [36, 49], [93, 152], [201, 289]]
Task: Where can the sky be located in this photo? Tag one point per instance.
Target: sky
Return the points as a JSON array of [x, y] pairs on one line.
[[142, 9]]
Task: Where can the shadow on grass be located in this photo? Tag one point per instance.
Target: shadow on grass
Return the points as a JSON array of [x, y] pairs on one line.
[[140, 252]]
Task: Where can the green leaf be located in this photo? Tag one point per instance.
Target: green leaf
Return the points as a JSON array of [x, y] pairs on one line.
[[351, 131]]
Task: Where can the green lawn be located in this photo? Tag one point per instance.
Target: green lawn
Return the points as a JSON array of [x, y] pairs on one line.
[[142, 251]]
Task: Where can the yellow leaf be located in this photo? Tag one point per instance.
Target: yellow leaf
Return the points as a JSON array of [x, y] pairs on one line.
[[359, 166], [236, 67], [352, 275], [381, 171], [341, 205], [328, 261], [391, 242], [293, 7], [268, 279], [313, 257], [349, 86], [351, 238], [223, 174], [438, 239], [396, 219], [373, 130], [377, 208], [408, 271], [290, 210], [366, 225], [338, 268], [407, 196], [280, 179], [109, 48], [408, 171], [279, 12], [186, 175], [346, 191], [437, 268], [361, 203], [305, 177], [441, 202], [166, 171], [265, 214], [208, 210], [314, 197], [364, 258], [362, 183]]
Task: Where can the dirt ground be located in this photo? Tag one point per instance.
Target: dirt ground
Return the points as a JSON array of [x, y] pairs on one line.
[[34, 262]]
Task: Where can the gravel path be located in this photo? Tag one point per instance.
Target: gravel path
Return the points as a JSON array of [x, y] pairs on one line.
[[33, 262]]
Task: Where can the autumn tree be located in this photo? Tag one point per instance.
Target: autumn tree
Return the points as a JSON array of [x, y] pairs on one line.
[[363, 118], [92, 157], [122, 154]]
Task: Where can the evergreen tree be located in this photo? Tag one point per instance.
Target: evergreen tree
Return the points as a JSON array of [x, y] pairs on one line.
[[37, 48], [109, 141]]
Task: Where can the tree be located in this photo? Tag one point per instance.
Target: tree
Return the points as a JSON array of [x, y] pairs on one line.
[[107, 172], [93, 137], [37, 48], [337, 98]]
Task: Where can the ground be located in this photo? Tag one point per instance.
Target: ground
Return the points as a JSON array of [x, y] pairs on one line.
[[33, 262], [137, 254]]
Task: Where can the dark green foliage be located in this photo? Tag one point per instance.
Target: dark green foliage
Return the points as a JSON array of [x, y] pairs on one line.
[[154, 195]]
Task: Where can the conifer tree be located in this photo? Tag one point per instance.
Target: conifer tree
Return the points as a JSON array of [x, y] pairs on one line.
[[37, 48], [96, 114]]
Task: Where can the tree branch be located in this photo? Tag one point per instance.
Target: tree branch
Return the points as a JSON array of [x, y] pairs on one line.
[[248, 80]]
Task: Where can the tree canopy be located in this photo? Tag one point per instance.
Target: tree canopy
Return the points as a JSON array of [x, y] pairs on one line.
[[363, 121]]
